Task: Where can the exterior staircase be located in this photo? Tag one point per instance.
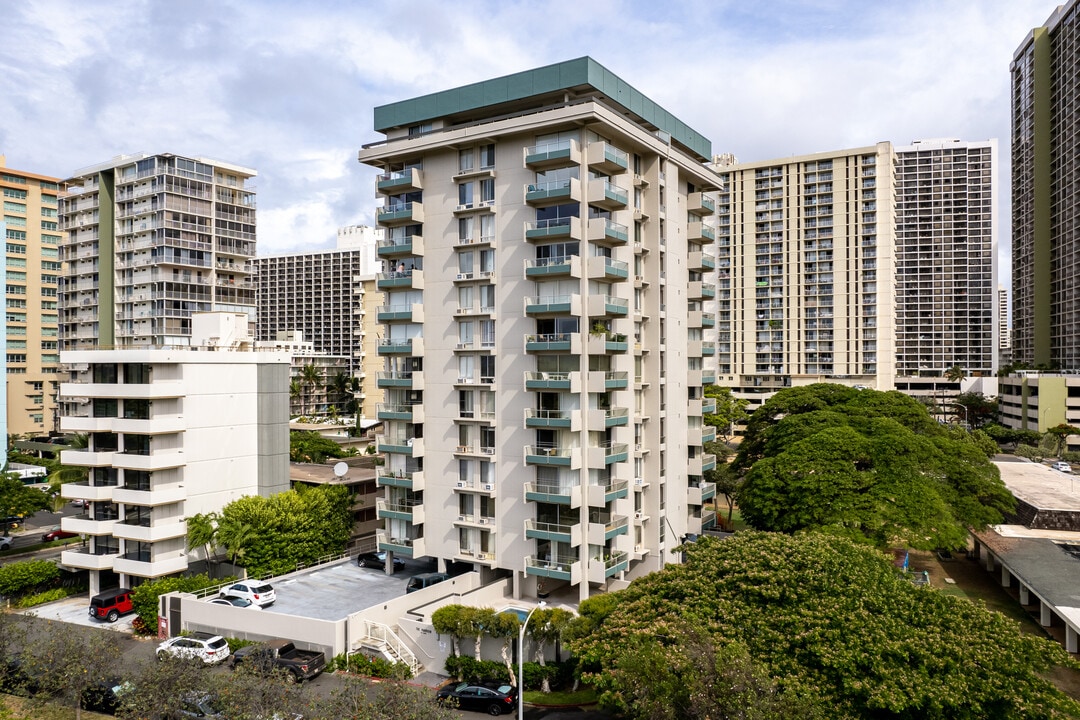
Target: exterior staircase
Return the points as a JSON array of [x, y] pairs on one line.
[[382, 639]]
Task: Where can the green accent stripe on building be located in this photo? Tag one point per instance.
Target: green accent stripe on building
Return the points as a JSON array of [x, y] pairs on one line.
[[1041, 199], [106, 259], [546, 80]]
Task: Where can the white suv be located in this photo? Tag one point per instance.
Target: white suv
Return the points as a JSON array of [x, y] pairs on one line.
[[211, 649], [259, 592]]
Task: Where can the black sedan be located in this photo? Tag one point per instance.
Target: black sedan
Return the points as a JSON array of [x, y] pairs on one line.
[[493, 701], [378, 560]]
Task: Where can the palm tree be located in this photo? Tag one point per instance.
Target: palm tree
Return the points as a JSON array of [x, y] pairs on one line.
[[340, 390], [955, 374], [310, 376], [59, 474], [296, 392], [235, 536], [202, 531]]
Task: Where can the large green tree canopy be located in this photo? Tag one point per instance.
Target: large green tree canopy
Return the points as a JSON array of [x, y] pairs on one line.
[[832, 623], [272, 535], [871, 466]]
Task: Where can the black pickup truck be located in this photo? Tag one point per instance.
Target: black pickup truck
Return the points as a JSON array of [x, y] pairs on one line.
[[272, 654]]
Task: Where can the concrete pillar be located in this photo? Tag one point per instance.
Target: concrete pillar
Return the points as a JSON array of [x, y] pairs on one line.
[[989, 561], [1070, 639], [1025, 595], [1004, 576], [1045, 614]]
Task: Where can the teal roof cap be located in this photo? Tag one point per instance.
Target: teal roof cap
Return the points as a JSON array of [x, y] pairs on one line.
[[545, 80]]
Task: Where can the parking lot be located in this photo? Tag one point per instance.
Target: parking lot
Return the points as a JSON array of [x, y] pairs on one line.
[[333, 592]]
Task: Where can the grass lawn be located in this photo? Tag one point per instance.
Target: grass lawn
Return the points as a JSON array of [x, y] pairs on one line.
[[585, 696]]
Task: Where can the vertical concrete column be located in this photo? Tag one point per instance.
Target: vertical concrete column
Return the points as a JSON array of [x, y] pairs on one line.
[[1025, 595], [1045, 614], [1070, 639], [989, 561], [1005, 576]]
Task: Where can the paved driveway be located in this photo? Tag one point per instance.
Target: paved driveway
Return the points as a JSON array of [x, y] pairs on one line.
[[75, 610]]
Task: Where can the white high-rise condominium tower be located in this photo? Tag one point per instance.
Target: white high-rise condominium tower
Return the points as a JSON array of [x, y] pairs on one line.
[[545, 335], [151, 240]]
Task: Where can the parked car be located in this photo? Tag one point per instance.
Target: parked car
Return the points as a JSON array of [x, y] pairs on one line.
[[493, 701], [272, 654], [5, 542], [378, 560], [423, 580], [259, 592], [211, 649], [235, 602], [1062, 466], [55, 533], [111, 604]]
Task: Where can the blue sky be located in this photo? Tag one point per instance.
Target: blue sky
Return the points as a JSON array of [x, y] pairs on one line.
[[288, 88]]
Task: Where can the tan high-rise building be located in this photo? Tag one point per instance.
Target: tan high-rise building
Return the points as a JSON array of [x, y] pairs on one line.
[[151, 240], [544, 329], [33, 240], [871, 266], [808, 294]]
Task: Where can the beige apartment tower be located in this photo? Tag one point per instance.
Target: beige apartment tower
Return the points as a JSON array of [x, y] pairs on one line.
[[151, 240], [547, 264], [32, 268], [871, 266]]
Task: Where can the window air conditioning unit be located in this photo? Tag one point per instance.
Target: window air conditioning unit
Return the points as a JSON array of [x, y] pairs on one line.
[[489, 487], [461, 484], [637, 514]]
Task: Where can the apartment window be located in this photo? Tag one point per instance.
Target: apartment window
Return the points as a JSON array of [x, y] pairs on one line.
[[487, 190], [12, 179], [465, 404], [48, 239], [15, 221], [420, 129], [15, 276], [137, 374], [48, 212], [49, 345], [47, 225], [104, 374], [50, 265], [17, 303], [137, 479], [16, 344], [105, 408], [13, 193], [14, 207], [465, 160], [16, 262], [49, 279], [16, 235], [136, 409], [487, 157], [136, 444], [105, 477], [16, 318], [465, 230], [465, 194]]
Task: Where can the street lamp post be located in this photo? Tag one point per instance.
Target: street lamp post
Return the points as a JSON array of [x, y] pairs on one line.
[[521, 661]]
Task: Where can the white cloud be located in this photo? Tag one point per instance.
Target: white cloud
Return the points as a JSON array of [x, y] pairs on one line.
[[289, 88]]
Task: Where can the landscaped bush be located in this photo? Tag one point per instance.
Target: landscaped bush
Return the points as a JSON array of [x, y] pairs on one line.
[[535, 674], [19, 578], [44, 597], [237, 643], [145, 597], [469, 669], [377, 667], [1028, 451]]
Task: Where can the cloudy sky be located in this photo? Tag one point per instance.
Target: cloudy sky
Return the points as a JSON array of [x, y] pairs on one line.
[[288, 88]]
